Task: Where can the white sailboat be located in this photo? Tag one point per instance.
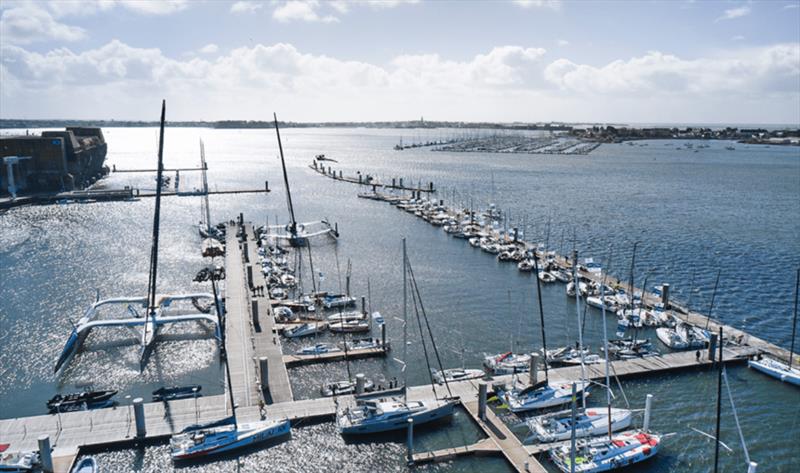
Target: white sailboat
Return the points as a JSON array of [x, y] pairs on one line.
[[606, 454], [777, 368], [383, 415]]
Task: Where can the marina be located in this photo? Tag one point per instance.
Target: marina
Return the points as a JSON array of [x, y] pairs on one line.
[[261, 362]]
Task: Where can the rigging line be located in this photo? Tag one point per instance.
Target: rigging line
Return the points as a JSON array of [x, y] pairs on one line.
[[713, 296], [619, 384], [735, 415], [421, 334], [293, 228], [313, 274], [338, 269], [430, 332]]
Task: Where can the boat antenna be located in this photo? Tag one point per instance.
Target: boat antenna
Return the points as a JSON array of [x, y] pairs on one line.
[[151, 285], [713, 296], [293, 225], [541, 315], [794, 322], [719, 403], [405, 323]]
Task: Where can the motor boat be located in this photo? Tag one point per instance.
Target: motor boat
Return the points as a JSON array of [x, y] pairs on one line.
[[347, 317], [508, 363], [305, 330], [338, 300], [683, 337], [26, 461], [350, 326], [176, 392], [73, 401], [343, 388], [543, 395], [457, 374]]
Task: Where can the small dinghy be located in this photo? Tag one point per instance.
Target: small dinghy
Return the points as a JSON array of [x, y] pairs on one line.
[[75, 401], [343, 388], [606, 454], [319, 349], [350, 326], [87, 465], [457, 374], [339, 300], [562, 275], [347, 316], [362, 344], [591, 422], [176, 392], [546, 276], [305, 330]]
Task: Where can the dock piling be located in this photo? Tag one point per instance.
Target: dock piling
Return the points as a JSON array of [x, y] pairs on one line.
[[665, 295], [648, 406], [45, 453], [363, 305], [249, 276], [263, 369], [383, 336], [751, 468], [138, 414], [482, 391], [360, 383], [254, 307], [410, 441], [712, 347], [266, 186], [534, 369]]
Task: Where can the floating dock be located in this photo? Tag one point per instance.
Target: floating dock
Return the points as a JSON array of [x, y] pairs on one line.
[[367, 180]]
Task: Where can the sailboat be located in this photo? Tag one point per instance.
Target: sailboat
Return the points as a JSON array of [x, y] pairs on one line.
[[777, 368], [543, 395], [157, 307], [295, 232], [606, 454], [588, 421], [384, 415], [223, 436]]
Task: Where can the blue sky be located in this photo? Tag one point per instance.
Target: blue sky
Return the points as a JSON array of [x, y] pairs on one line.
[[647, 61]]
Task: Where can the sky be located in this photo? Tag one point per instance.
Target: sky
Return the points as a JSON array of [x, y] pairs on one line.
[[313, 60]]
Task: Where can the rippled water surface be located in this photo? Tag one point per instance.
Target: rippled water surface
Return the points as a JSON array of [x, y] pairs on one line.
[[694, 213]]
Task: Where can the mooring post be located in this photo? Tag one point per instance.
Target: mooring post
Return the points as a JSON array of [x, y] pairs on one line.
[[665, 295], [249, 276], [394, 184], [266, 185], [410, 441], [138, 415], [361, 382], [430, 186], [712, 347], [363, 305], [482, 393], [401, 182], [254, 303], [263, 368], [648, 407], [45, 453], [340, 174], [751, 468], [534, 369], [383, 336], [245, 250], [359, 178]]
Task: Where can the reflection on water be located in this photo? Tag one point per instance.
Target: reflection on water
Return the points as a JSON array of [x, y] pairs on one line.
[[693, 213]]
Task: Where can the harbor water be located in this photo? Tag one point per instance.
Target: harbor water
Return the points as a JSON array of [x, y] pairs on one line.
[[694, 214]]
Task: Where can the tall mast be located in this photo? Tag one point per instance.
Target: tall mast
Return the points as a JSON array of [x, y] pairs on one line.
[[541, 315], [605, 339], [713, 296], [151, 285], [794, 322], [293, 227], [405, 323], [719, 403], [633, 293], [205, 186], [580, 330], [230, 393]]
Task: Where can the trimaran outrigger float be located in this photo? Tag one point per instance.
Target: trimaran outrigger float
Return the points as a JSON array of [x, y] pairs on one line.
[[157, 307]]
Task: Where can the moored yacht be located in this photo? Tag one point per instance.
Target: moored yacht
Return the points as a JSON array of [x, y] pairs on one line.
[[383, 415], [543, 395], [592, 421]]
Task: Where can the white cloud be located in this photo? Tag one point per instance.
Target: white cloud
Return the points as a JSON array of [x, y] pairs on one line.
[[387, 3], [155, 7], [738, 37], [732, 13], [209, 49], [302, 10], [245, 7], [505, 83], [791, 6], [553, 4], [28, 23], [563, 42]]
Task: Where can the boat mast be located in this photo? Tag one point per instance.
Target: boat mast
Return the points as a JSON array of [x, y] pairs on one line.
[[605, 338], [230, 393], [405, 323], [719, 403], [632, 294], [794, 322], [580, 331], [713, 295], [205, 186], [541, 316], [151, 285], [293, 225]]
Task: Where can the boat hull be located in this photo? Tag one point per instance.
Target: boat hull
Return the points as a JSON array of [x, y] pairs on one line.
[[440, 412], [260, 432], [776, 370]]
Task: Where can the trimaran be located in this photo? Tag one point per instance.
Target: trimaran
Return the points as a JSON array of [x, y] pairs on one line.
[[157, 307]]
